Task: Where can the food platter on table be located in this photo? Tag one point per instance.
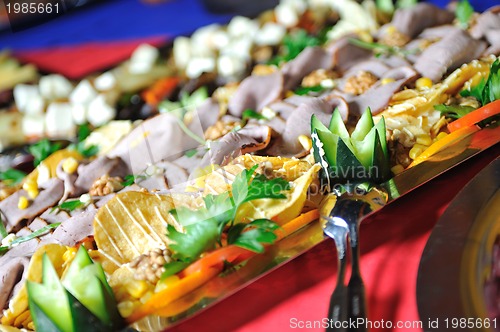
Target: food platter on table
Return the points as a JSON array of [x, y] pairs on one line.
[[184, 173]]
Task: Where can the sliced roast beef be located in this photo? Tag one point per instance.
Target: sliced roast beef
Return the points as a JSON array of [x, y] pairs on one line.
[[345, 55], [438, 32], [413, 20], [68, 180], [48, 197], [374, 66], [174, 173], [449, 53], [75, 229], [233, 144], [255, 92], [156, 139], [307, 61], [378, 96], [89, 173], [204, 116], [54, 216], [13, 270], [487, 21]]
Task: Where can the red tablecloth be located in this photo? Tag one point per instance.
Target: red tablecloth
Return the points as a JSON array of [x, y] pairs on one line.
[[392, 243]]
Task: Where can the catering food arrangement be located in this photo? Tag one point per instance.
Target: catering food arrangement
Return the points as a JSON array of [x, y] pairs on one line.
[[130, 194]]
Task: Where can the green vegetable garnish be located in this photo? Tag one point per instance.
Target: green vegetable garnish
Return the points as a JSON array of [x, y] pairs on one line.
[[382, 49], [42, 150], [11, 177], [3, 231], [35, 234], [293, 44], [86, 151], [360, 157], [69, 206], [305, 90], [453, 111], [251, 114], [81, 301], [463, 13], [203, 227], [486, 91]]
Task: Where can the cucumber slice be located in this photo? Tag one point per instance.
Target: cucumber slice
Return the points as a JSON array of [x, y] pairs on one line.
[[364, 125], [337, 125], [348, 167], [87, 283], [316, 124], [49, 301]]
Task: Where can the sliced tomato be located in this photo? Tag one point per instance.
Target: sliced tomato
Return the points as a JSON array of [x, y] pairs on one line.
[[476, 116]]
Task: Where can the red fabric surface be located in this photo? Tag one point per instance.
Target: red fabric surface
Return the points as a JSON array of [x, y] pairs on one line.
[[392, 243], [77, 61]]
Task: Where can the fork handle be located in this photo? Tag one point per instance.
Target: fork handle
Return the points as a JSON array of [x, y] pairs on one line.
[[357, 302], [338, 310]]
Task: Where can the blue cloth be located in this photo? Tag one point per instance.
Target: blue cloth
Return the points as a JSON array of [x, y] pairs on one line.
[[116, 20]]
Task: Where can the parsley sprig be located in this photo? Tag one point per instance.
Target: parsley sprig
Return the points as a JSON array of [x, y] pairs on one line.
[[486, 91], [463, 13], [12, 177], [293, 44], [42, 149], [203, 227], [453, 111], [87, 151], [382, 49]]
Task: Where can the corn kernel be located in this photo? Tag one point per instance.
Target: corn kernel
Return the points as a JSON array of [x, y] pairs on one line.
[[305, 142], [391, 29], [137, 288], [31, 187], [387, 80], [126, 308], [417, 150], [424, 139], [22, 203], [397, 169], [69, 254], [423, 83], [440, 136], [70, 165]]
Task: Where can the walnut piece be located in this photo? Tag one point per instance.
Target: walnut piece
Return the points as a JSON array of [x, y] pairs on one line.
[[105, 185], [395, 38], [149, 266], [316, 77], [219, 129], [360, 83]]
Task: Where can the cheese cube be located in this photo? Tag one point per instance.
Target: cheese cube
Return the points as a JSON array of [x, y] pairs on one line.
[[55, 87], [182, 51], [33, 125], [59, 120], [105, 81], [28, 99], [231, 66], [83, 94], [242, 26], [286, 15], [198, 66], [100, 112], [270, 34], [143, 59]]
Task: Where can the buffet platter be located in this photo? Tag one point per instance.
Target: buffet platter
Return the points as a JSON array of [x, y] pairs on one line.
[[187, 172]]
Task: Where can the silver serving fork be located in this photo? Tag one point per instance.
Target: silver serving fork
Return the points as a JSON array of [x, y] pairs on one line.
[[348, 303]]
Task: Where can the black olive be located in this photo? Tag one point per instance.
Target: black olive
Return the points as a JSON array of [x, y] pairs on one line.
[[6, 98]]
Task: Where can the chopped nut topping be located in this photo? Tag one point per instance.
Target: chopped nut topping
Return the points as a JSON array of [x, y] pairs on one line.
[[219, 129], [393, 37], [360, 83], [105, 185], [149, 266], [262, 54], [316, 77], [263, 70]]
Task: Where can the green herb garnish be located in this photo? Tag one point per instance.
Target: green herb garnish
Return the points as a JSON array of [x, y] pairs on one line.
[[251, 114], [203, 227], [463, 13], [86, 151], [12, 177], [3, 230], [131, 179], [35, 234], [382, 49], [251, 236], [42, 149], [306, 90], [69, 206], [453, 111], [293, 44], [486, 91]]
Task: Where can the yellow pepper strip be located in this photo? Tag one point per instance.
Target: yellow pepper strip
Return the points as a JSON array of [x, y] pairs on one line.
[[443, 143]]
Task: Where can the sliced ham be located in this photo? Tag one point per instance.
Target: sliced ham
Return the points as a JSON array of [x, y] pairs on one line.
[[309, 60], [255, 92], [413, 20], [48, 197], [449, 53]]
